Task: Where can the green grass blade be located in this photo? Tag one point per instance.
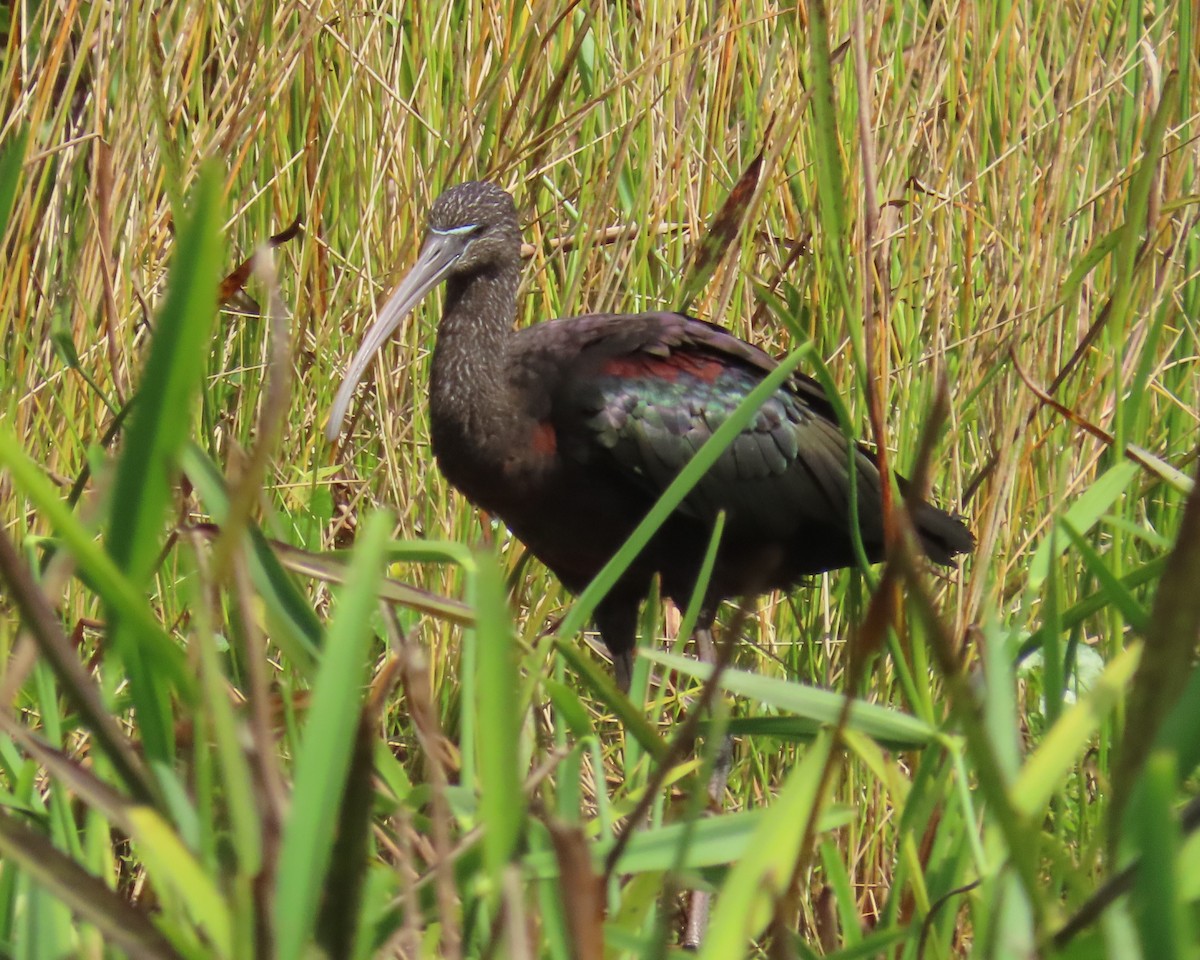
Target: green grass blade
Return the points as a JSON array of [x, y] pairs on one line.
[[162, 419], [831, 190], [161, 423], [110, 583], [299, 635], [88, 897], [759, 880], [323, 760], [838, 879], [342, 910], [710, 842], [1066, 743], [1120, 598], [180, 879], [1164, 921], [501, 799], [11, 161], [81, 691], [881, 723], [1083, 514], [1168, 658]]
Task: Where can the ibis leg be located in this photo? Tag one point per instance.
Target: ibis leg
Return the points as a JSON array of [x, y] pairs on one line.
[[700, 900]]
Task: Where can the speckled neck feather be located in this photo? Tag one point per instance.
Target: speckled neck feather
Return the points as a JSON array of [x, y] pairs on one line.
[[469, 402]]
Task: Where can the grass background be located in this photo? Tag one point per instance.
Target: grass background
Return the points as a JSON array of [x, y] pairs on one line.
[[1002, 197]]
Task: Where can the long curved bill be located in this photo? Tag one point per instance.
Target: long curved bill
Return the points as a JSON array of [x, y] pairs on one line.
[[438, 254]]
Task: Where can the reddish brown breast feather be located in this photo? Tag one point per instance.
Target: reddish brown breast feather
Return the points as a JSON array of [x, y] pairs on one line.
[[545, 440]]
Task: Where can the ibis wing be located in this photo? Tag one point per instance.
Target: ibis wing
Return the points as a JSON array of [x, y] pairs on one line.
[[787, 470], [640, 394]]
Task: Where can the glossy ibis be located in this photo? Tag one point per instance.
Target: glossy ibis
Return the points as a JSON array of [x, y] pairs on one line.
[[569, 430]]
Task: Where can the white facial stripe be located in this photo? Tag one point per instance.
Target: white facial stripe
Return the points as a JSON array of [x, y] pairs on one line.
[[455, 231]]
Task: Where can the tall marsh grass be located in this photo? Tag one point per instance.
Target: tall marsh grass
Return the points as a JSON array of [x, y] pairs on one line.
[[217, 741]]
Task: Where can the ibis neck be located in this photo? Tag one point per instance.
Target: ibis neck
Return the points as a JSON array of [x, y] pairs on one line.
[[469, 396]]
